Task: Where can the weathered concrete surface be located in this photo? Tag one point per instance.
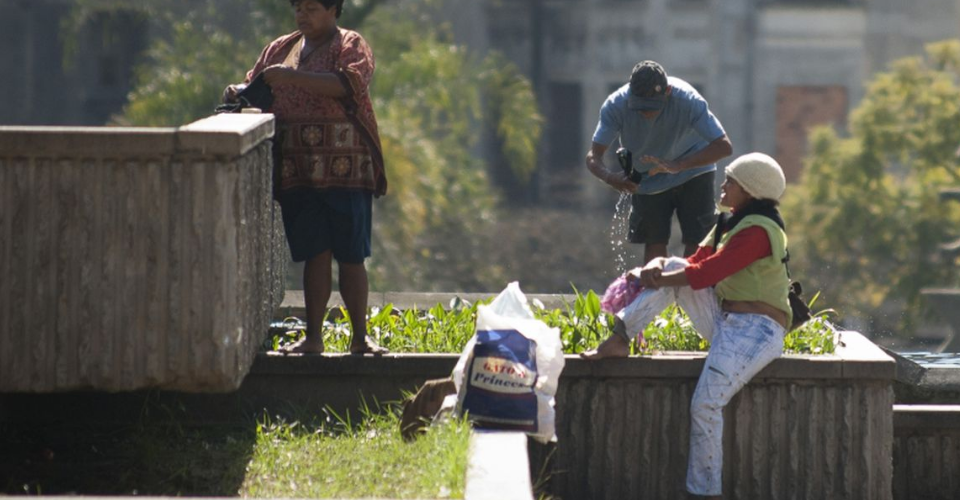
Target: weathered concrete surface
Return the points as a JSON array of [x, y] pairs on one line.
[[805, 427], [926, 452], [498, 467], [925, 384], [136, 258], [801, 429]]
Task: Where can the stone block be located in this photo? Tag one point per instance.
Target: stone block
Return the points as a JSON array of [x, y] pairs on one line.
[[136, 258]]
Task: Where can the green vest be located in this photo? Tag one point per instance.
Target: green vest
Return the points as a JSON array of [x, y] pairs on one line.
[[764, 280]]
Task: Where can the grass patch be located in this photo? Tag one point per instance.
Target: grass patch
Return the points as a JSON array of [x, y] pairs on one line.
[[582, 326], [341, 460], [159, 456]]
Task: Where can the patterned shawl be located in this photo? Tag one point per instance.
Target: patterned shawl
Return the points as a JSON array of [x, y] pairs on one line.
[[327, 143]]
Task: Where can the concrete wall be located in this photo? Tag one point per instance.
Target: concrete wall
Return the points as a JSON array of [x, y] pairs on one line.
[[804, 428], [926, 452], [816, 50], [136, 258]]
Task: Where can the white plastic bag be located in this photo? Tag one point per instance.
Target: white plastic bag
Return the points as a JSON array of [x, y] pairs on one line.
[[507, 376]]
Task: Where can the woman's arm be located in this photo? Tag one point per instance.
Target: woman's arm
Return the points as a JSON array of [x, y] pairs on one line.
[[325, 84], [672, 278], [743, 249]]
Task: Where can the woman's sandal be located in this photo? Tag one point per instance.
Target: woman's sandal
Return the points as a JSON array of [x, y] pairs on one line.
[[302, 346], [369, 347]]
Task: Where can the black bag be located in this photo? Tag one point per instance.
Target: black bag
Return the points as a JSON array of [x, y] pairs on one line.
[[259, 95], [801, 311], [256, 95], [799, 308]]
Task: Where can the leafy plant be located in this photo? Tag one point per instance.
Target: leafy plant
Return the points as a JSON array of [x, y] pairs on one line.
[[816, 336], [673, 331], [582, 324]]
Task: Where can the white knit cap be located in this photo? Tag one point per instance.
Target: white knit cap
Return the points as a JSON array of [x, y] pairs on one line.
[[759, 175]]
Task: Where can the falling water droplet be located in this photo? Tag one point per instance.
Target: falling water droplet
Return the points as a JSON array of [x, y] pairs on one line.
[[619, 228]]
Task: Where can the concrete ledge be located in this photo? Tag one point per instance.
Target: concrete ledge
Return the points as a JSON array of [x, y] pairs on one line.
[[96, 142], [498, 467], [660, 366], [228, 135], [390, 365], [926, 457], [863, 359], [858, 359], [225, 135], [941, 378], [925, 418]]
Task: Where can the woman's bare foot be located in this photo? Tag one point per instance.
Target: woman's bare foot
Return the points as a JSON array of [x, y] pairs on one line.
[[367, 346], [614, 347], [306, 345]]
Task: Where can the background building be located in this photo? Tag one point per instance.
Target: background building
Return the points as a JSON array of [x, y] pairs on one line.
[[52, 79], [769, 68]]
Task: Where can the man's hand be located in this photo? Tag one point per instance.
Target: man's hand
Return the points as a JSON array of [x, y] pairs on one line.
[[279, 74], [620, 182], [661, 166], [615, 178]]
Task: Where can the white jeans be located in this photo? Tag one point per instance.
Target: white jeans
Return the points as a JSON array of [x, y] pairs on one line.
[[740, 346]]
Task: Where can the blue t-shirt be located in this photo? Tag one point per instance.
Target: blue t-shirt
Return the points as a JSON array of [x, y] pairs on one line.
[[683, 127]]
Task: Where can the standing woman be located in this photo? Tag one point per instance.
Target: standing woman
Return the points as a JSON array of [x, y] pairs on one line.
[[332, 163], [737, 298]]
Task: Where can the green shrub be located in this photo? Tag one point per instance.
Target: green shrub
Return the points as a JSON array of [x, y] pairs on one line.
[[582, 324]]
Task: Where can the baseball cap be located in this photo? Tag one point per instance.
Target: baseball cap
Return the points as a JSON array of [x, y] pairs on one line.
[[648, 87]]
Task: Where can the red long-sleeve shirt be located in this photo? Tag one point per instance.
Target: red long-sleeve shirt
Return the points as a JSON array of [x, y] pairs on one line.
[[707, 267]]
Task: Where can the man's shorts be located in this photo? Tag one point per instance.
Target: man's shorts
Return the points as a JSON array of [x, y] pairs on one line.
[[694, 203], [317, 221]]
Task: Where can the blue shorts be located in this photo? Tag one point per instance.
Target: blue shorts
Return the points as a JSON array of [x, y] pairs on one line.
[[694, 203], [318, 221]]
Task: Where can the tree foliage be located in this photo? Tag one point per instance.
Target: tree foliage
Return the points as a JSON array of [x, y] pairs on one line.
[[866, 221], [433, 101]]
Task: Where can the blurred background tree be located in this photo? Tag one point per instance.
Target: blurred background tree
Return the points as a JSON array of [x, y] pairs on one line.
[[434, 101], [865, 222]]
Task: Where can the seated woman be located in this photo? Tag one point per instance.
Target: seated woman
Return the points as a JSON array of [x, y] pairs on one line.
[[736, 297]]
